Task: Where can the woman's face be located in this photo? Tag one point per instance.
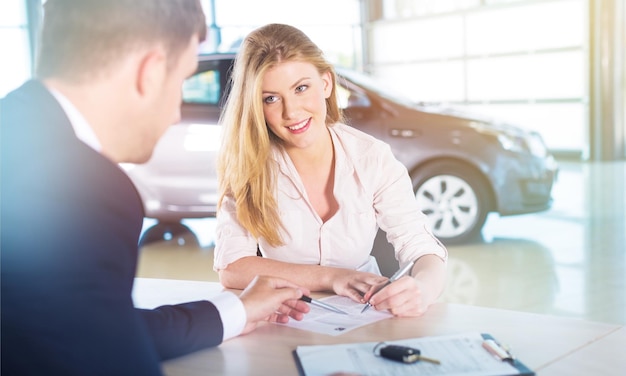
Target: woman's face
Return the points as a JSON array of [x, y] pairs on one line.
[[294, 102]]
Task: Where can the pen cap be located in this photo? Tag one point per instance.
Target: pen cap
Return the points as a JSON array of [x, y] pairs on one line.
[[494, 348]]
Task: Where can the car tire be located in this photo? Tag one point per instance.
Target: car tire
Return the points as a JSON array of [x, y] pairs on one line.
[[172, 233], [454, 197]]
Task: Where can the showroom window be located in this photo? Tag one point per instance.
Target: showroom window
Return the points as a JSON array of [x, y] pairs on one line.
[[335, 26], [202, 88], [15, 65], [500, 58], [337, 32]]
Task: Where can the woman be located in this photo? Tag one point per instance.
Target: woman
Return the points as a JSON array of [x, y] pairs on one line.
[[309, 192]]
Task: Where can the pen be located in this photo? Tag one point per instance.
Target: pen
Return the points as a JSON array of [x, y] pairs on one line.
[[322, 304], [393, 278], [496, 350]]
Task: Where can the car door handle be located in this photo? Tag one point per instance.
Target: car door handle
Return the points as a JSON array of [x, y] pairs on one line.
[[404, 133]]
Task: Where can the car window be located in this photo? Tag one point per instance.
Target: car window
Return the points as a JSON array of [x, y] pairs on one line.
[[349, 98], [375, 86], [202, 88], [343, 95]]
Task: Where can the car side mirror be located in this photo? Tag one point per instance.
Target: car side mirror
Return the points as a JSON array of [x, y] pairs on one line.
[[358, 100]]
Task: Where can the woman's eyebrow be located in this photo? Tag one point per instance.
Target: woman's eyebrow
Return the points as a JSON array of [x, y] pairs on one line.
[[295, 85]]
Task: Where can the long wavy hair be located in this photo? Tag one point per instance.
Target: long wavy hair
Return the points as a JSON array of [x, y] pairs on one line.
[[245, 168]]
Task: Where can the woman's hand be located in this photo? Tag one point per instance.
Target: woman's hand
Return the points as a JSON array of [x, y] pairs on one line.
[[355, 284], [411, 296], [403, 298]]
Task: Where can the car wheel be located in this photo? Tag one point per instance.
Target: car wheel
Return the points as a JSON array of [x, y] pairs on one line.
[[454, 198], [173, 233]]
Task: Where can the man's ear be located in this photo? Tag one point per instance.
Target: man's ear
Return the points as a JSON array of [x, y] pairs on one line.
[[151, 72]]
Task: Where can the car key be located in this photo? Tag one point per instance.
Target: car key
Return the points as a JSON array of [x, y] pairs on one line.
[[404, 354]]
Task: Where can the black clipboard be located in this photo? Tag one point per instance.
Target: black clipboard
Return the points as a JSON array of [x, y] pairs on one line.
[[299, 366]]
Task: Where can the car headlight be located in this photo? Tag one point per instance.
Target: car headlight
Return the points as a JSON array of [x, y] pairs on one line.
[[530, 142], [536, 146], [515, 141]]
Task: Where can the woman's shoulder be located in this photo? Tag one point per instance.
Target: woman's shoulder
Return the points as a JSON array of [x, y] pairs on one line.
[[356, 142], [355, 138], [358, 151]]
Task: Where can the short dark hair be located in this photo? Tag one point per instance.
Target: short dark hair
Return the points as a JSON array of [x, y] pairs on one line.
[[81, 37]]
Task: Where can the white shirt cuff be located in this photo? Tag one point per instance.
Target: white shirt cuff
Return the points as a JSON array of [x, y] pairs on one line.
[[232, 313]]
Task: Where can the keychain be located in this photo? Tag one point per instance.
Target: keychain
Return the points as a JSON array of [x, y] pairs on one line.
[[402, 354]]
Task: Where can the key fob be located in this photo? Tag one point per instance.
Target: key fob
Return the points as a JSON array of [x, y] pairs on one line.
[[401, 354]]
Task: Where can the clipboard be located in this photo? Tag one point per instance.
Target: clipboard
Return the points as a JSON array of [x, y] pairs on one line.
[[467, 353]]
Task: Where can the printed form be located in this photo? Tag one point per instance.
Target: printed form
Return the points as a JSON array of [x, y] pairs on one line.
[[459, 355], [320, 320]]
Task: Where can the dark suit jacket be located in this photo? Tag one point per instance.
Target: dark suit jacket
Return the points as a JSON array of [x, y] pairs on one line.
[[70, 221]]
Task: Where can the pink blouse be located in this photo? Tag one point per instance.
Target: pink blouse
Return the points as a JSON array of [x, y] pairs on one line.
[[372, 189]]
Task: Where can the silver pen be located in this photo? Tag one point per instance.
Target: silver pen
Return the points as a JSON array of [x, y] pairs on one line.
[[320, 304], [397, 275]]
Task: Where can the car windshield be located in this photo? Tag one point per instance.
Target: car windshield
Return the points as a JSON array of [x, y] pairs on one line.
[[377, 87]]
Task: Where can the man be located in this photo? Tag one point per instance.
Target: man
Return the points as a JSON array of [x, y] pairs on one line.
[[108, 84]]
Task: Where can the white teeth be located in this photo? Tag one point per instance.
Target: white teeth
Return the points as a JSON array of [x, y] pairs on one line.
[[299, 125]]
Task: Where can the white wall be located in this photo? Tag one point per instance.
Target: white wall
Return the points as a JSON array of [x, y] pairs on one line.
[[15, 66]]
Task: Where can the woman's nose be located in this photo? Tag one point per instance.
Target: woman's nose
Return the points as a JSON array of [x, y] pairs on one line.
[[289, 108]]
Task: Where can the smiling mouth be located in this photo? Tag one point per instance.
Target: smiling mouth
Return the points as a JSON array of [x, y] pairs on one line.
[[299, 126]]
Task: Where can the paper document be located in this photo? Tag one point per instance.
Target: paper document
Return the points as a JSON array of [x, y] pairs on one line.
[[320, 320], [459, 355]]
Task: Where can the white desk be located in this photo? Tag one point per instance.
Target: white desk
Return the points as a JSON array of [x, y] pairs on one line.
[[549, 345], [605, 356]]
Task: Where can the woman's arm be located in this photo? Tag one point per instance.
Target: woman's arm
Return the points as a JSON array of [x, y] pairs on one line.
[[406, 227], [430, 272], [346, 282]]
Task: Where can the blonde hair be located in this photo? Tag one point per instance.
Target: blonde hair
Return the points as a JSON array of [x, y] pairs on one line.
[[244, 165]]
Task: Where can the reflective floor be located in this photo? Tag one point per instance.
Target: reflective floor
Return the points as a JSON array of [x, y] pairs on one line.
[[568, 261]]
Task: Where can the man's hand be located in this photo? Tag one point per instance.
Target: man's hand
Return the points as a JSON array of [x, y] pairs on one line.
[[272, 299]]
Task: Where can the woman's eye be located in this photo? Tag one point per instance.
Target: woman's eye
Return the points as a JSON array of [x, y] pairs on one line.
[[270, 99], [301, 88]]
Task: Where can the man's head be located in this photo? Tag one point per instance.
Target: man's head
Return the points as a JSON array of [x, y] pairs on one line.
[[81, 38], [122, 64]]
